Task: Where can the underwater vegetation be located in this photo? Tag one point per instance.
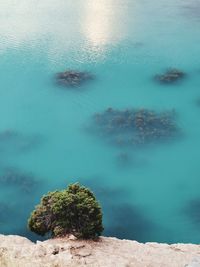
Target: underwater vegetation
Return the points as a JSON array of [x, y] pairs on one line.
[[13, 141], [170, 76], [18, 180], [135, 126], [73, 78]]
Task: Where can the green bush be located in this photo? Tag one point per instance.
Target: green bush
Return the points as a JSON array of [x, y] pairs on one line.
[[70, 211]]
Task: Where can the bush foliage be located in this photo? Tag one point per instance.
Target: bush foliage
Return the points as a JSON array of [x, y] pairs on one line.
[[70, 211]]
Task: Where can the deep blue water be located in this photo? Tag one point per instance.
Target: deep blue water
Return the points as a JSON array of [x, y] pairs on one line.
[[44, 139]]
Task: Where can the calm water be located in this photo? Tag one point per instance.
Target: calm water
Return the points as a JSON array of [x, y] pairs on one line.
[[44, 142]]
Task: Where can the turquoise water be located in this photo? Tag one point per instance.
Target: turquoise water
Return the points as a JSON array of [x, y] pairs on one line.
[[44, 133]]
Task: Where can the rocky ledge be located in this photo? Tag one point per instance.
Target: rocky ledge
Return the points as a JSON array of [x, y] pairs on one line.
[[16, 251]]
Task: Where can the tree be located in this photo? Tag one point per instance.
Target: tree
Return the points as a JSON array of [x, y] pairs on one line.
[[70, 211]]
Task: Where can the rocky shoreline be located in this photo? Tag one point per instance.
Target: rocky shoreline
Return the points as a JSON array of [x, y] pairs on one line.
[[16, 251]]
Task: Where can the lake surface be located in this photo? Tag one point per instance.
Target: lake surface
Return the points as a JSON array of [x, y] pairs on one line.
[[149, 192]]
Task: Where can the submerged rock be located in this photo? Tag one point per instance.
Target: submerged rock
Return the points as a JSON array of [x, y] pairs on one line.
[[72, 78], [14, 141], [135, 126], [5, 211], [7, 134], [123, 159], [137, 227], [193, 211], [197, 102], [170, 76]]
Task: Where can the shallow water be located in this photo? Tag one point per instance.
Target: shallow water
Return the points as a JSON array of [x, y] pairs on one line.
[[150, 195]]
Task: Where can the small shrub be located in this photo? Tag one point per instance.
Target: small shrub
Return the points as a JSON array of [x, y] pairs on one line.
[[70, 211]]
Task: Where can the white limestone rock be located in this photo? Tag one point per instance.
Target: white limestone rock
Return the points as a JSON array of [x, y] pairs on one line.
[[16, 251]]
